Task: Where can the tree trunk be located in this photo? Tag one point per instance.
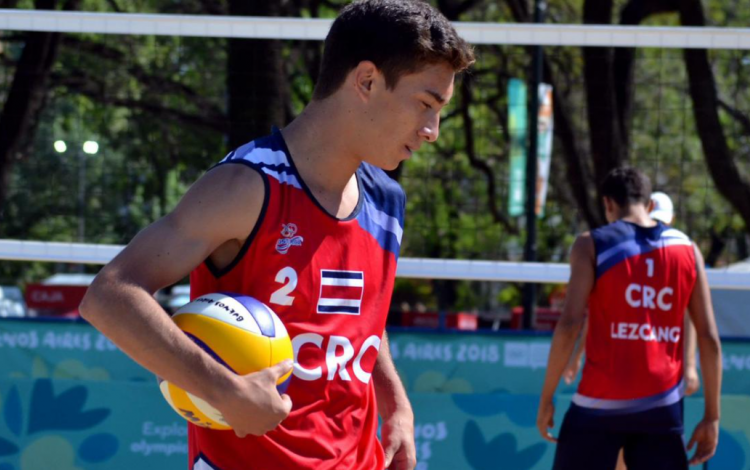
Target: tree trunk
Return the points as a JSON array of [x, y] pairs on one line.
[[255, 71], [633, 13], [26, 97], [719, 158], [608, 148]]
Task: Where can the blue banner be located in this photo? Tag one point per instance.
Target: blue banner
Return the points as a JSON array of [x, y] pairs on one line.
[[70, 400], [489, 363], [74, 425]]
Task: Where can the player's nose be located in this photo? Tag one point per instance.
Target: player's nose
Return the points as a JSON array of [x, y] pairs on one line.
[[431, 129]]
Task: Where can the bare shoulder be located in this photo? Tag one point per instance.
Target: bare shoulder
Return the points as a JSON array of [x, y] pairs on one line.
[[583, 247], [226, 185], [698, 255], [222, 206], [230, 195]]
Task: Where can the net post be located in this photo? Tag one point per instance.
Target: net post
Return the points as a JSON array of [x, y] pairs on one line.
[[529, 293]]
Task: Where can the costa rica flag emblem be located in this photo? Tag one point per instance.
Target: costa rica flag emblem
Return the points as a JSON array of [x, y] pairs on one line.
[[341, 291]]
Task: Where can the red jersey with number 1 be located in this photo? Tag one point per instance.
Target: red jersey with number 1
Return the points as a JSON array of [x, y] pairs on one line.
[[634, 350], [330, 282]]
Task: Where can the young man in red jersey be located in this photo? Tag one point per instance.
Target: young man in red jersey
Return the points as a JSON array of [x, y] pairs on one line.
[[306, 221], [637, 277], [661, 209]]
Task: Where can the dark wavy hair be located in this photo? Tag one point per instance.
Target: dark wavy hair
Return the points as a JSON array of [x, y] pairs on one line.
[[399, 36], [627, 186]]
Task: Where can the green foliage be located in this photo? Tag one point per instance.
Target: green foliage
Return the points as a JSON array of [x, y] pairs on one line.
[[156, 105]]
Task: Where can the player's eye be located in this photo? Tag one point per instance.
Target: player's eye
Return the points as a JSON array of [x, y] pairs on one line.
[[426, 105]]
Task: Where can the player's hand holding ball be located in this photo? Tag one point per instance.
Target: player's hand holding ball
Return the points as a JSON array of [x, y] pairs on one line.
[[247, 337], [253, 405]]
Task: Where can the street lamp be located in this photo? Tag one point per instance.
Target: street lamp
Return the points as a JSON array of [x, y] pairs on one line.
[[89, 147], [60, 146]]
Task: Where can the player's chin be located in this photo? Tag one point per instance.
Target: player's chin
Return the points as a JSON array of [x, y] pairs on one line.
[[390, 165]]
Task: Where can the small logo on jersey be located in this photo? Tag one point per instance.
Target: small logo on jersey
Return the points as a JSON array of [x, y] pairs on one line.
[[288, 231], [341, 291]]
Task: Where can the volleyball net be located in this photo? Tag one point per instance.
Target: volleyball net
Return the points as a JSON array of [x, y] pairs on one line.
[[137, 108]]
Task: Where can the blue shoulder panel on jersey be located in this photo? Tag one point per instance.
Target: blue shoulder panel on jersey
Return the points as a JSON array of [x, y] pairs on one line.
[[272, 142], [382, 214], [621, 240]]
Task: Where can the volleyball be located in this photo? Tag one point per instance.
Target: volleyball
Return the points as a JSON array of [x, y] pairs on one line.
[[241, 333]]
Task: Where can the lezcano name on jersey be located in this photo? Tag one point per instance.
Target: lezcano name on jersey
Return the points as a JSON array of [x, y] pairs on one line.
[[645, 332]]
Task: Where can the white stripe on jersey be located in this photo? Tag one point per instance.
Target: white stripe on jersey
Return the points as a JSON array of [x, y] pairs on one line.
[[259, 156], [267, 156], [674, 233], [282, 177], [339, 303], [335, 281], [386, 222], [670, 237], [632, 405], [677, 241]]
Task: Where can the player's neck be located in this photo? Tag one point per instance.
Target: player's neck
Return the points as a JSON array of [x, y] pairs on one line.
[[318, 144], [636, 215]]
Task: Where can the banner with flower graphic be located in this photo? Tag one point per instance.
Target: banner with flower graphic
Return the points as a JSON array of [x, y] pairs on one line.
[[70, 400], [75, 425]]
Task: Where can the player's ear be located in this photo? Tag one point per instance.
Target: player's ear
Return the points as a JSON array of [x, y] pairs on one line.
[[363, 77]]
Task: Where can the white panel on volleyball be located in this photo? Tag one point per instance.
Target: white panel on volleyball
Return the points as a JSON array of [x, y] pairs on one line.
[[223, 308]]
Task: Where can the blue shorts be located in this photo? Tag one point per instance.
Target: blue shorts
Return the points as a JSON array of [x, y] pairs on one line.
[[587, 445]]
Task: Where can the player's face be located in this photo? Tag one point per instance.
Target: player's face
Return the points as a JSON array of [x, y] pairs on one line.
[[408, 115]]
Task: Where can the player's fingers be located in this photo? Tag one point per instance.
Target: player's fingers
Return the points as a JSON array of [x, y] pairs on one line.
[[701, 457], [402, 460], [544, 432], [707, 452], [388, 457], [286, 403], [278, 370], [568, 376], [691, 442]]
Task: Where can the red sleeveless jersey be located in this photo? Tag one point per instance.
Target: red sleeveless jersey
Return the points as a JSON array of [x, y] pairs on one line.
[[330, 281], [634, 349]]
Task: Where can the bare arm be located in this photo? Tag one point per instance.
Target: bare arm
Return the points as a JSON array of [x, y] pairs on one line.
[[702, 315], [692, 381], [582, 277], [222, 207], [574, 365], [395, 409]]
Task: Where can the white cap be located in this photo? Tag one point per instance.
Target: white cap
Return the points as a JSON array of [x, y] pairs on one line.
[[663, 208]]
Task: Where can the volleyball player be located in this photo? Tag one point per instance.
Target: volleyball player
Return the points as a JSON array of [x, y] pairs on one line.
[[637, 277], [306, 221], [660, 209]]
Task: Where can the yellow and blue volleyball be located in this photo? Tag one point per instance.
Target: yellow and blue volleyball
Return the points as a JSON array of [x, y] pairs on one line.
[[241, 333]]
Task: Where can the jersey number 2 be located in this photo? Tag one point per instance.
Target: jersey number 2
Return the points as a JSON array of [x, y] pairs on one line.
[[288, 277]]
